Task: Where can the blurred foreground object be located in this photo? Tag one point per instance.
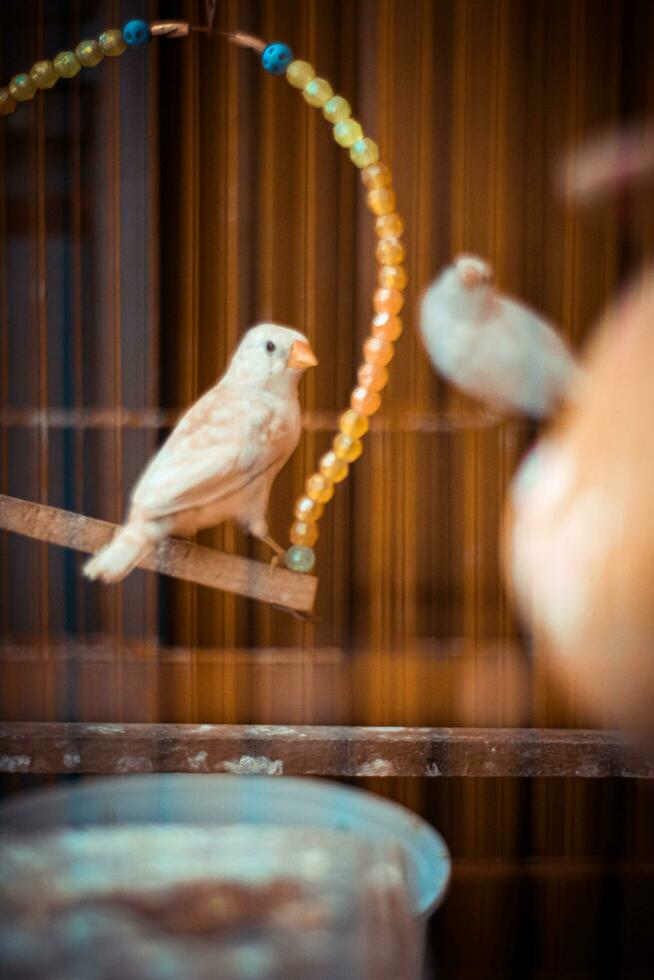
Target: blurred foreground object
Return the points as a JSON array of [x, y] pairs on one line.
[[169, 876], [580, 549], [493, 348], [608, 163]]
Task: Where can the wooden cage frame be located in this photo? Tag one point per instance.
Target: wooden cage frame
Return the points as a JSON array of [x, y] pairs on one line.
[[50, 748], [111, 748]]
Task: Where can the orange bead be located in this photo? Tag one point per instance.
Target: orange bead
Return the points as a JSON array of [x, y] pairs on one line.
[[386, 327], [353, 424], [308, 510], [303, 532], [378, 352], [374, 377], [388, 301], [319, 488], [390, 251], [332, 467], [365, 402], [389, 226], [377, 175], [347, 448], [381, 200], [392, 277]]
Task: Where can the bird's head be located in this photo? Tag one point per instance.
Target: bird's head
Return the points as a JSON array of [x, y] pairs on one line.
[[271, 356], [472, 271]]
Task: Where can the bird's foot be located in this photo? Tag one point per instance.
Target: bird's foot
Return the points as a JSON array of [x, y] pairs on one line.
[[277, 548]]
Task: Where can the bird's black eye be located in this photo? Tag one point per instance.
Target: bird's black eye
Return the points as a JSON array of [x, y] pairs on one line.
[[270, 347]]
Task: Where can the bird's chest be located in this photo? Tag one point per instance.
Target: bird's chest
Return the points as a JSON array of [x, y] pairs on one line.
[[276, 425]]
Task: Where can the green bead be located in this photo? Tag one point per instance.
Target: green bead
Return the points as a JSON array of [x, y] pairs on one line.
[[347, 132], [112, 43], [300, 559], [89, 53], [336, 110], [22, 87], [43, 74], [66, 64], [364, 152]]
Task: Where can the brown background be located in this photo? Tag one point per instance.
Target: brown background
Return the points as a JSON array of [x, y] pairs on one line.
[[152, 209]]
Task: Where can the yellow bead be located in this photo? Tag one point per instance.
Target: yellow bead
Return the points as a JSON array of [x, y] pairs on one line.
[[377, 175], [66, 64], [392, 277], [364, 152], [364, 401], [89, 53], [347, 132], [332, 467], [317, 92], [300, 73], [7, 102], [43, 74], [22, 87], [304, 533], [381, 200], [389, 226], [347, 448], [307, 509], [374, 377], [353, 424], [377, 351], [387, 301], [319, 488], [336, 110], [390, 251], [386, 327], [112, 43]]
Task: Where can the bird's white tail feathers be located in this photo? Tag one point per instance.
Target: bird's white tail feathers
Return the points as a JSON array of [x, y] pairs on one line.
[[129, 545]]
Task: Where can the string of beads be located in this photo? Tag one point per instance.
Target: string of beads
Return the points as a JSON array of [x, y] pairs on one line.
[[44, 74], [387, 300]]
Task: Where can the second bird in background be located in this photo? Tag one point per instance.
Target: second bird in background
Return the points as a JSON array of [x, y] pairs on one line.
[[492, 347]]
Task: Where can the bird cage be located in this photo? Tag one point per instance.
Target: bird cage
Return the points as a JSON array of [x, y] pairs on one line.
[[151, 211]]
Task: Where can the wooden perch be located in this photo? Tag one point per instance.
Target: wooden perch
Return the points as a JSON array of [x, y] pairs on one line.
[[106, 748], [181, 559]]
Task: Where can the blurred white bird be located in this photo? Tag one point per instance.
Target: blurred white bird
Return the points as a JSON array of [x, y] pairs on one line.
[[221, 459], [492, 347]]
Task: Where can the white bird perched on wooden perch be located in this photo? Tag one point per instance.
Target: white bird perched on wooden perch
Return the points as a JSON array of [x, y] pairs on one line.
[[220, 461], [493, 348]]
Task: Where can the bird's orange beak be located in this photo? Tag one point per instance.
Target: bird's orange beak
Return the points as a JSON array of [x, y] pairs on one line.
[[301, 355]]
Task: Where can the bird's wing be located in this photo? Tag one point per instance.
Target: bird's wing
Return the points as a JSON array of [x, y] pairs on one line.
[[223, 443]]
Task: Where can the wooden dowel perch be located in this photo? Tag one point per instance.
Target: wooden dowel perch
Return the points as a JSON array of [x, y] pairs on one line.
[[181, 559]]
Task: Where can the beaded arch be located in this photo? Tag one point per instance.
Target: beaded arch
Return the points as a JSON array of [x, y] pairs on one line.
[[388, 298]]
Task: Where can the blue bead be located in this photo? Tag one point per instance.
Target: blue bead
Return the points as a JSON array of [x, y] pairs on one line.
[[136, 33], [276, 58]]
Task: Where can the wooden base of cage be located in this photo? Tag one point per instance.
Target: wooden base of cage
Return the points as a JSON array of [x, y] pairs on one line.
[[181, 559], [313, 750]]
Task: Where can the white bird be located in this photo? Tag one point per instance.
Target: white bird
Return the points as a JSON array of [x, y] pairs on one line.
[[220, 461], [493, 348]]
